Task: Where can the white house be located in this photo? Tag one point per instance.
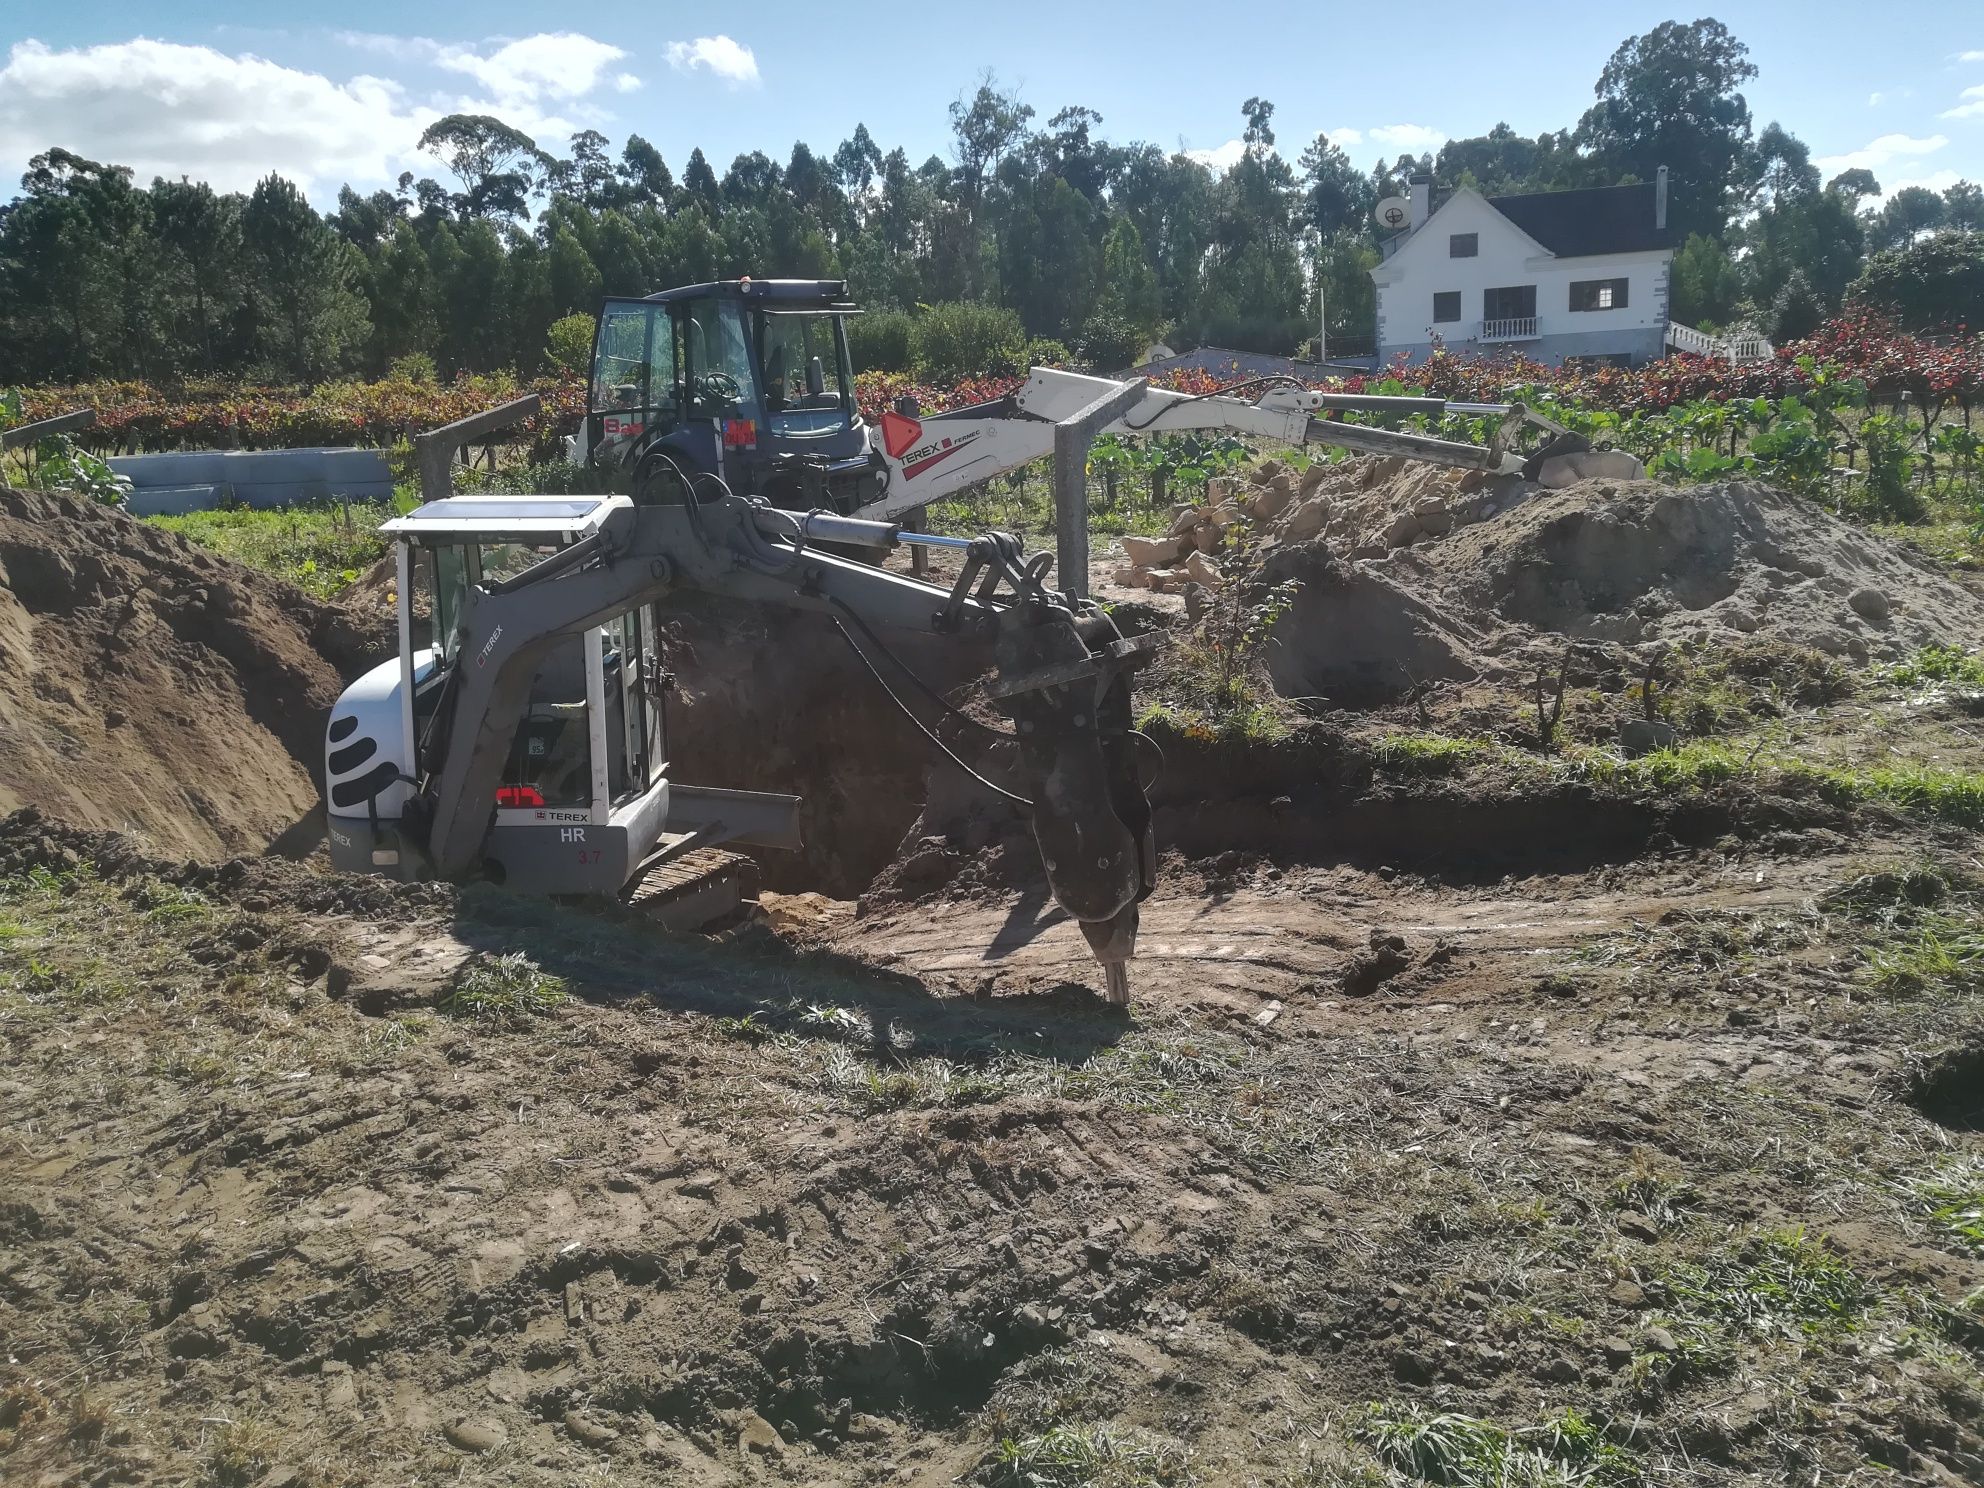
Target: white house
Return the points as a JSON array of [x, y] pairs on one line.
[[1551, 275]]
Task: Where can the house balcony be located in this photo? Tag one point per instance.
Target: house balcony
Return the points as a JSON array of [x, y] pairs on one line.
[[1514, 328]]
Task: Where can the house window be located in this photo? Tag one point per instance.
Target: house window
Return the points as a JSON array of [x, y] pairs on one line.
[[1464, 245], [1516, 302], [1598, 294], [1446, 305]]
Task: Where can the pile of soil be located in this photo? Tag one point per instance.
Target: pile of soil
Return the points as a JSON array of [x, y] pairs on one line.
[[150, 687], [1402, 585]]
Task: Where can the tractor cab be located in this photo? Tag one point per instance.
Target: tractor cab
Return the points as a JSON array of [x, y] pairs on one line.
[[748, 380]]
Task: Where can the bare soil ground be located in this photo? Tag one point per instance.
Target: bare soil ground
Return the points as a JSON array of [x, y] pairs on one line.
[[1484, 1116]]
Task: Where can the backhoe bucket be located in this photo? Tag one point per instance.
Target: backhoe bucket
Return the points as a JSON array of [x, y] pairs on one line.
[[1065, 683]]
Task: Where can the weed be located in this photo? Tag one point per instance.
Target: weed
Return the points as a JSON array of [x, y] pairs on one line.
[[1469, 1452], [1087, 1457], [319, 548], [1937, 665], [1428, 754], [1951, 1198], [1943, 954], [750, 1028], [511, 987], [393, 1035], [1779, 1282], [239, 1453]]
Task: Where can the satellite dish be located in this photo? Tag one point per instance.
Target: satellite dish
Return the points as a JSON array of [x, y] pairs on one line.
[[1393, 212]]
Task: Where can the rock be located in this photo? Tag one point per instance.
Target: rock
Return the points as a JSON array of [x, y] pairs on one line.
[[1226, 514], [1411, 1367], [1567, 470], [1270, 501], [1202, 570], [756, 1434], [1306, 520], [1626, 1294], [1129, 576], [476, 1436], [1268, 470], [1639, 736], [1197, 602], [586, 1429], [1616, 1350], [1869, 604], [1312, 478], [1152, 552], [1206, 538], [1401, 530], [1638, 1227], [866, 1428], [1738, 618], [1184, 519], [1162, 580], [1434, 516], [1562, 1370], [1660, 1341]]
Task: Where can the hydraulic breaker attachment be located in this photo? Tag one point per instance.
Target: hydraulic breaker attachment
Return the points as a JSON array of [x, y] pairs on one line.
[[1064, 681]]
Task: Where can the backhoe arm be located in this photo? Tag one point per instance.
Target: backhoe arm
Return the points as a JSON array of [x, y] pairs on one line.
[[1062, 677]]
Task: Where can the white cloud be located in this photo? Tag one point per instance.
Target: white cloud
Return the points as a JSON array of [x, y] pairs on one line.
[[1881, 152], [722, 56], [1344, 139], [1220, 157], [1415, 139], [1936, 181], [1874, 99], [559, 64], [165, 109], [1970, 56], [1969, 105]]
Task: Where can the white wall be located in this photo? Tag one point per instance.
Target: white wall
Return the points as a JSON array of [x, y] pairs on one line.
[[1407, 281]]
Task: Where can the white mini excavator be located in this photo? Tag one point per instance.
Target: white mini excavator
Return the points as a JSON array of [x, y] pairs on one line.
[[522, 737]]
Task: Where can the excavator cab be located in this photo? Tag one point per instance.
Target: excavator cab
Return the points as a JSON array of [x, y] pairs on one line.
[[747, 380], [584, 798]]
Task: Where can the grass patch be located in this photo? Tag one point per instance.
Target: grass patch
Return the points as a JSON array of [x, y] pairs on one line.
[[1464, 1451], [512, 988], [1087, 1457], [1944, 954], [320, 549], [1935, 666], [1428, 754], [1951, 1199], [1778, 1282]]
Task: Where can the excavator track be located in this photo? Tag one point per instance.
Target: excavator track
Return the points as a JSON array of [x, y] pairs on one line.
[[695, 890]]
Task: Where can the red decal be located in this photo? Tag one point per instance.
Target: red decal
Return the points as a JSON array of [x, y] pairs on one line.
[[933, 454], [899, 434], [740, 434]]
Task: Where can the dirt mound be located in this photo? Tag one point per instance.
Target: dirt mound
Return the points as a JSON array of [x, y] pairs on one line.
[[1635, 562], [150, 687], [1414, 573]]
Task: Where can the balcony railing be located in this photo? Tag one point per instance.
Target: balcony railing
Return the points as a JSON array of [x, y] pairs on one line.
[[1513, 328], [1738, 346]]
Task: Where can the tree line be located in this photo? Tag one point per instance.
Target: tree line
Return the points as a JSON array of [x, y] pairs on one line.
[[1096, 245]]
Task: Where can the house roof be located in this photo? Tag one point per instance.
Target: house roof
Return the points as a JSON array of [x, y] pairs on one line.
[[1598, 219]]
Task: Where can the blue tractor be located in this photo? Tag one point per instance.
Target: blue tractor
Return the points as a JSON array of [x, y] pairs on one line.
[[746, 380]]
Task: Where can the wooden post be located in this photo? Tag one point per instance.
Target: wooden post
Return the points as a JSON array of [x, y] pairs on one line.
[[434, 451], [40, 429], [1072, 437]]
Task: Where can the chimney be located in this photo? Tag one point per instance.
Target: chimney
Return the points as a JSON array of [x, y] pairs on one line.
[[1660, 199], [1422, 199]]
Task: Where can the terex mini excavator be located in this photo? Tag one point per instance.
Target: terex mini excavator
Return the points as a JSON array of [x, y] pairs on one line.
[[526, 743]]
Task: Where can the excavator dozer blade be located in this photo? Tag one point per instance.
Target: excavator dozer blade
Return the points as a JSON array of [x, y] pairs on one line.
[[1065, 683]]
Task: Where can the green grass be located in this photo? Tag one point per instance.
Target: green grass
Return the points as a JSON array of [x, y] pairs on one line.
[[1462, 1451], [1776, 1282], [510, 987], [1944, 953], [1429, 754], [1087, 1457], [1938, 665], [320, 549], [1951, 1199]]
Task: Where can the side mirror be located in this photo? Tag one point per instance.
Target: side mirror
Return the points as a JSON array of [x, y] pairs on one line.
[[908, 407], [816, 378]]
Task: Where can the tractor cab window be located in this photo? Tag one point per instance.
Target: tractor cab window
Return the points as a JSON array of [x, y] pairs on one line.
[[808, 387], [634, 384], [717, 361], [450, 578]]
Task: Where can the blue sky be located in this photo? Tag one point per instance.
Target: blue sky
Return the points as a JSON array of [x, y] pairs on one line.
[[226, 90]]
